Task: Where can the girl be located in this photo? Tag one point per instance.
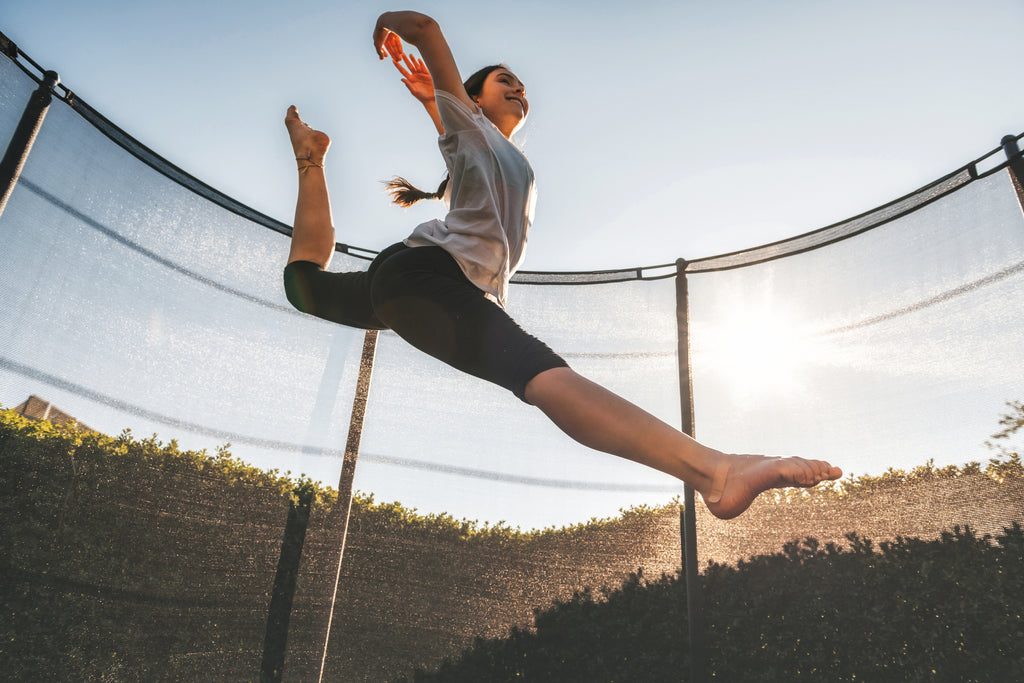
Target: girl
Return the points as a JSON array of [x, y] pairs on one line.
[[444, 288]]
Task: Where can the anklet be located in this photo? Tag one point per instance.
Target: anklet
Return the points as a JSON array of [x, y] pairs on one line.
[[311, 164]]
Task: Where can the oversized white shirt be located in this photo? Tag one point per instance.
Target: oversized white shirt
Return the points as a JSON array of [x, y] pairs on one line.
[[490, 198]]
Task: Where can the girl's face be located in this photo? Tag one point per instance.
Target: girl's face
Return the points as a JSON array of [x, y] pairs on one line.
[[503, 100]]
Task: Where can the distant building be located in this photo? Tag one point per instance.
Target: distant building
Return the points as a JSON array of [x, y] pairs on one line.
[[36, 408]]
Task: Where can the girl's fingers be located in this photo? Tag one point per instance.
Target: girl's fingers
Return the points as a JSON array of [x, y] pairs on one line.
[[380, 37], [396, 51]]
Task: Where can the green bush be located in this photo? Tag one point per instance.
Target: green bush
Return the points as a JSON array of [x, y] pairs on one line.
[[128, 559], [909, 610]]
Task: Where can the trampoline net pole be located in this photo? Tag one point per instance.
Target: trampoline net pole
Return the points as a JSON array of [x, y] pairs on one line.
[[343, 507], [24, 136], [1015, 165], [687, 516]]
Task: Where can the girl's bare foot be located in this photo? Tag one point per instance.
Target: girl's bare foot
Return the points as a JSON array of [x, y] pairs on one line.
[[310, 145], [739, 479]]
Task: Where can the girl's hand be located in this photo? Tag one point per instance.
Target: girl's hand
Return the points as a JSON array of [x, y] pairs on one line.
[[438, 64], [393, 47], [416, 78], [393, 27], [414, 72], [381, 35]]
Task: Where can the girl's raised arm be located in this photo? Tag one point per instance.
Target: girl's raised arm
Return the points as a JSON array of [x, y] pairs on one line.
[[425, 34]]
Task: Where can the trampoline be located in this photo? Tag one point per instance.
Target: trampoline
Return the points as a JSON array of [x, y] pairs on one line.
[[136, 297]]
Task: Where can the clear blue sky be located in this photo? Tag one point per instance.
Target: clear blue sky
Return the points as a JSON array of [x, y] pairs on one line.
[[658, 129]]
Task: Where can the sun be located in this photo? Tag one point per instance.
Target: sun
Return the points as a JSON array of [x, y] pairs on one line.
[[758, 351]]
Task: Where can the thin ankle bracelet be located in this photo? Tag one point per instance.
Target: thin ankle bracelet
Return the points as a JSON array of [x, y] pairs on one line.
[[309, 165]]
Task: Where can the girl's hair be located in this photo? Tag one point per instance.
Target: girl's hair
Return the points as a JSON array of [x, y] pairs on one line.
[[406, 194]]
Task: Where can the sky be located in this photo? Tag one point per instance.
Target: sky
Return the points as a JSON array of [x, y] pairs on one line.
[[657, 130]]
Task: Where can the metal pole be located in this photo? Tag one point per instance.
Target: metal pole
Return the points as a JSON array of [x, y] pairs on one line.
[[24, 136], [343, 507], [1016, 165], [688, 514]]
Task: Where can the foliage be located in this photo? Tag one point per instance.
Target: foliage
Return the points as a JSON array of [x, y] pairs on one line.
[[1012, 422], [396, 517], [126, 557], [125, 450], [121, 554], [997, 469], [908, 610]]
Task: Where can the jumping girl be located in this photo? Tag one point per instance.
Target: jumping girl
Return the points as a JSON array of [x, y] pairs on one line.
[[443, 289]]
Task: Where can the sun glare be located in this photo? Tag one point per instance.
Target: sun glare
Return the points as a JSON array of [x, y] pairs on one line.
[[757, 351]]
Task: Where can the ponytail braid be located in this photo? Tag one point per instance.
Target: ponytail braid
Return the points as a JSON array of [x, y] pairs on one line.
[[405, 194]]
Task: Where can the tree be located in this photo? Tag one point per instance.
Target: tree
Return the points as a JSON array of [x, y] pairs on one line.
[[1012, 422]]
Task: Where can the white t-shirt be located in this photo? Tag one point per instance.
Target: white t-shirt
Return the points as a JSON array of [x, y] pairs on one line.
[[490, 198]]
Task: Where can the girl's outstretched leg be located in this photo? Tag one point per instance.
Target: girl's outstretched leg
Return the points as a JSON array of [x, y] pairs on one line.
[[313, 231], [600, 419]]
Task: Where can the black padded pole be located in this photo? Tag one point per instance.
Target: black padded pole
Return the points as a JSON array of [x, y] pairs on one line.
[[283, 593], [688, 513], [24, 135], [1016, 164]]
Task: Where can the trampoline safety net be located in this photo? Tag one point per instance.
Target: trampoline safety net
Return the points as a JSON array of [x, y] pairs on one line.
[[134, 297]]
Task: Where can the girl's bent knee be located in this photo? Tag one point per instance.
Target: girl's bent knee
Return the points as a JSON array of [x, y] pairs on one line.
[[298, 285]]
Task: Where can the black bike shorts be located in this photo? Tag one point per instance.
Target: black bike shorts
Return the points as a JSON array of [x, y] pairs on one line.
[[422, 295]]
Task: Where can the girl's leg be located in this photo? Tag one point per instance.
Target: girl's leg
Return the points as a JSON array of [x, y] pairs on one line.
[[313, 231], [339, 297], [421, 294], [600, 419]]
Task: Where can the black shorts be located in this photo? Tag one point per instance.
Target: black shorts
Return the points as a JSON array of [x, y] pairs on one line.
[[422, 295]]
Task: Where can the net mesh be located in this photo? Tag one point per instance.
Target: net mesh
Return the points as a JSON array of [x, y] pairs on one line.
[[136, 297], [893, 349]]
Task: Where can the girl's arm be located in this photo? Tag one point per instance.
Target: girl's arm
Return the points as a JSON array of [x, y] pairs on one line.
[[416, 78], [425, 34]]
